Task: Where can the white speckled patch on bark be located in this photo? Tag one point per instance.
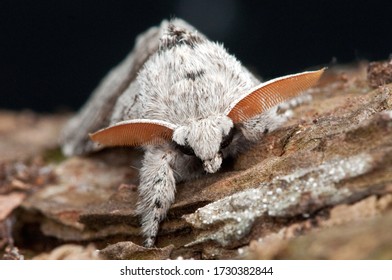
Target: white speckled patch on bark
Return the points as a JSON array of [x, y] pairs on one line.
[[278, 198]]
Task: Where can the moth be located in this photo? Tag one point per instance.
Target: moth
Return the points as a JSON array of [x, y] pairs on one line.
[[188, 103]]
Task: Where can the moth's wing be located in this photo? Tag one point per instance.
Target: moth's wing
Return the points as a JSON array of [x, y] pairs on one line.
[[101, 106], [127, 106], [97, 111]]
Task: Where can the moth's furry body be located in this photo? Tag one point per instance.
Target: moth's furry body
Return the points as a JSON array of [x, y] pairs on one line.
[[187, 86]]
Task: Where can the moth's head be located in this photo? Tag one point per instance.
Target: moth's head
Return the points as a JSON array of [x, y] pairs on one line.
[[205, 139]]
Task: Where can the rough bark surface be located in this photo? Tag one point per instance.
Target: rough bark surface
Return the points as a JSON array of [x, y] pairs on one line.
[[320, 187]]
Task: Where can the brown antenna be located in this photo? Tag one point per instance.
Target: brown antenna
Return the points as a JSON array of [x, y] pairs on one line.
[[134, 133], [271, 93]]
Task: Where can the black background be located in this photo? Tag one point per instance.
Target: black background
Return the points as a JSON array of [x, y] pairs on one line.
[[54, 53]]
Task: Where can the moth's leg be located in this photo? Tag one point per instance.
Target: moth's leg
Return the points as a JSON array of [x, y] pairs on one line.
[[295, 102], [272, 119], [156, 191], [254, 128]]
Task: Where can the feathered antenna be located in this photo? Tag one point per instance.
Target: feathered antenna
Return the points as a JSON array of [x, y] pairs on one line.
[[271, 93], [134, 133]]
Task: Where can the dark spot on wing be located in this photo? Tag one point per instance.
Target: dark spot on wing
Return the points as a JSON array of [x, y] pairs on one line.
[[193, 75], [158, 204], [157, 181]]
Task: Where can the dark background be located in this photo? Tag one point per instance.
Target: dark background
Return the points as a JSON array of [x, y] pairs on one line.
[[54, 53]]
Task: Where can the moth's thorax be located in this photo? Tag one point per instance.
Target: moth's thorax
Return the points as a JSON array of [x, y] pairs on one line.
[[205, 136], [190, 81]]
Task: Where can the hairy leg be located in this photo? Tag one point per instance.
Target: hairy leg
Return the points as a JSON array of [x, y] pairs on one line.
[[161, 168], [156, 191]]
